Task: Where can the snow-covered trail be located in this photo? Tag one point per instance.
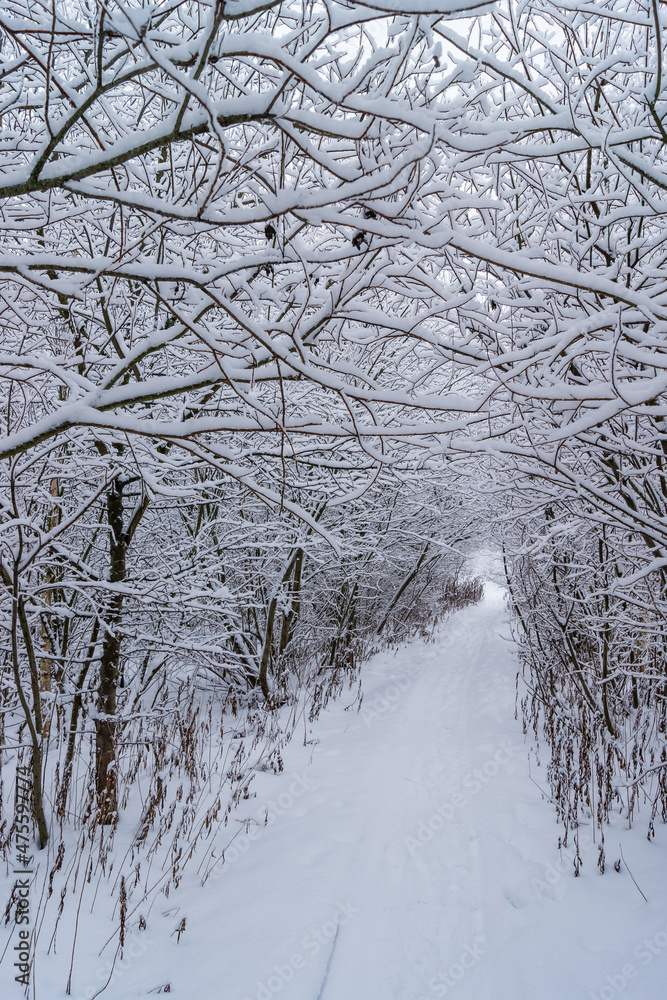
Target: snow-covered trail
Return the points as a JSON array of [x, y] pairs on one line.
[[410, 855], [385, 841]]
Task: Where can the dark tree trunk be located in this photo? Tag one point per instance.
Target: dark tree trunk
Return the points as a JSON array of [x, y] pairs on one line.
[[296, 559], [105, 723]]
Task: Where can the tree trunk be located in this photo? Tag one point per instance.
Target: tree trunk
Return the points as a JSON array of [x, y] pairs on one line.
[[296, 559], [47, 643], [105, 723], [74, 719]]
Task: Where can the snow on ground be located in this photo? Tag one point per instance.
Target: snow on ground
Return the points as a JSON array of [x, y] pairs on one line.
[[409, 855]]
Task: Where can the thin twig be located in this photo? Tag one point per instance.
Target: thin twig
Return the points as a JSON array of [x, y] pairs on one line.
[[631, 875]]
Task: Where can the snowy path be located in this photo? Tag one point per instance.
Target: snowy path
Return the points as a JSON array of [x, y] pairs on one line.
[[411, 857]]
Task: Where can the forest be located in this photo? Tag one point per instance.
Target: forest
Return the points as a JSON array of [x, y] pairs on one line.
[[302, 303]]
